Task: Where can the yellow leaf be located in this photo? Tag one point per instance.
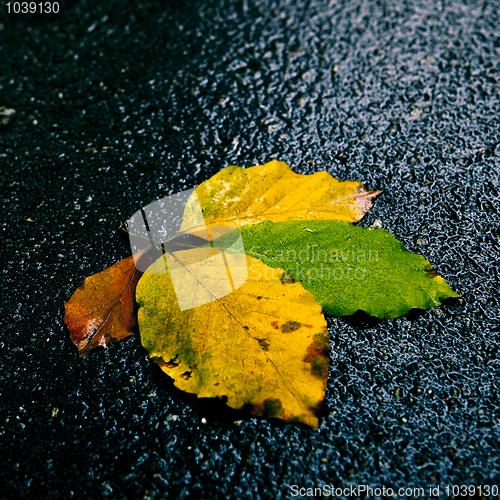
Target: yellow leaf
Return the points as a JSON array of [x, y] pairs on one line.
[[263, 347], [236, 196]]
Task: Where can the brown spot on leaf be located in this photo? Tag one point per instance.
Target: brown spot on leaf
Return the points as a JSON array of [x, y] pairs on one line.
[[286, 278], [258, 298], [318, 355], [172, 363], [290, 326], [316, 408], [272, 408], [319, 366], [158, 360], [186, 375], [430, 271], [264, 343], [275, 325]]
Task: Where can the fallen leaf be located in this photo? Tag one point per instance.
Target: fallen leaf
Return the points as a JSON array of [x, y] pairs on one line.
[[348, 268], [262, 348], [102, 311], [249, 329], [237, 196]]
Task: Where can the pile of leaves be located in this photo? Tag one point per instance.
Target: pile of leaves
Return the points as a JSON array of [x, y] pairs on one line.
[[263, 348]]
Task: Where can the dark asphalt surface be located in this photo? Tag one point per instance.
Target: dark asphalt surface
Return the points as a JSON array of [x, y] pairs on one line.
[[117, 104]]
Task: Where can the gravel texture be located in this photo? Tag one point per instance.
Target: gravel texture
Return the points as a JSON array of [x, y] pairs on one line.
[[116, 104]]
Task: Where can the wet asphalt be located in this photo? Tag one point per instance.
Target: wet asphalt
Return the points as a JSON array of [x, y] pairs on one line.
[[107, 107]]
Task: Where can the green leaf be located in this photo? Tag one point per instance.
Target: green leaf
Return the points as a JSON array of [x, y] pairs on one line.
[[348, 268]]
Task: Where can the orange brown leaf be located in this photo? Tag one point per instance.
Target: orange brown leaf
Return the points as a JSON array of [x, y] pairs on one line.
[[102, 311]]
